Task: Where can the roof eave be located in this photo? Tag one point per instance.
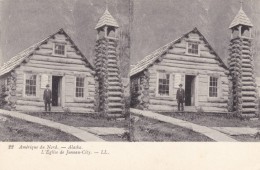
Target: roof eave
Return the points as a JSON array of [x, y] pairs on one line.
[[232, 26], [97, 27]]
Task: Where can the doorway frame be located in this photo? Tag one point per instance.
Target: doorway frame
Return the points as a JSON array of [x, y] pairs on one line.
[[196, 83], [62, 89]]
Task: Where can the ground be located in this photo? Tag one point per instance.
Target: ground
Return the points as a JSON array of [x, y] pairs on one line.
[[85, 120], [146, 129], [143, 128], [213, 120], [218, 120], [12, 129]]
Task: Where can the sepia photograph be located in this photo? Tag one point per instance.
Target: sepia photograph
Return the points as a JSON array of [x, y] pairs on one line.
[[129, 71], [129, 84]]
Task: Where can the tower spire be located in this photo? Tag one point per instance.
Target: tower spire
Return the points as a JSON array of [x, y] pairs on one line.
[[106, 5], [243, 90], [241, 4]]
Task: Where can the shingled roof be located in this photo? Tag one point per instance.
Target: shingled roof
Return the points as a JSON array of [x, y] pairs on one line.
[[151, 58], [20, 57], [241, 19], [106, 19]]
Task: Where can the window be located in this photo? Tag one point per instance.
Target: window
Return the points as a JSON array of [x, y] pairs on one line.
[[213, 87], [59, 49], [30, 85], [163, 86], [193, 48], [80, 87]]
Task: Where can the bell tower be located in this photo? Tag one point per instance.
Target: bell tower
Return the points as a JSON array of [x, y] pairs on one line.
[[110, 93], [243, 90]]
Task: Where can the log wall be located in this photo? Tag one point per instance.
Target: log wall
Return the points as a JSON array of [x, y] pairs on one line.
[[177, 61], [8, 91], [110, 87], [70, 66], [244, 94]]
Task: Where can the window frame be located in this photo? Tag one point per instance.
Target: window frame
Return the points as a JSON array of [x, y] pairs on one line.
[[25, 78], [170, 85], [84, 88], [217, 87], [65, 49], [187, 48]]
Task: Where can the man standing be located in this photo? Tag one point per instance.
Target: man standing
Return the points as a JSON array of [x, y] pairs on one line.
[[47, 98], [180, 97]]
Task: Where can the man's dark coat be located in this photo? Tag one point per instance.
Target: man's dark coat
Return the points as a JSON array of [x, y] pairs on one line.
[[47, 95], [180, 95]]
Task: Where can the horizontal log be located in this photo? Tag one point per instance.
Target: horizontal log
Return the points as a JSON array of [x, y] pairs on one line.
[[167, 66], [110, 98], [62, 41], [45, 51], [248, 83], [49, 45], [190, 59], [47, 65], [112, 93], [206, 54], [244, 65], [36, 99], [248, 115], [214, 109], [80, 105], [180, 45], [248, 88], [194, 63], [163, 102], [248, 99], [115, 88], [249, 110], [29, 108], [57, 71], [114, 110], [154, 107], [58, 59], [81, 110], [177, 50], [244, 51], [115, 104], [249, 104], [30, 103], [173, 98], [247, 79], [217, 105], [89, 97]]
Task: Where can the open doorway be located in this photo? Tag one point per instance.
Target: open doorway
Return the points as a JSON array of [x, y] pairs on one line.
[[190, 90], [56, 90]]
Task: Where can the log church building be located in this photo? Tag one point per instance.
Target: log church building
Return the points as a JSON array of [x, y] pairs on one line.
[[209, 84], [77, 85]]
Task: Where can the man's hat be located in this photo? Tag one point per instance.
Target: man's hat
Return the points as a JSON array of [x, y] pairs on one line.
[[47, 85], [180, 85]]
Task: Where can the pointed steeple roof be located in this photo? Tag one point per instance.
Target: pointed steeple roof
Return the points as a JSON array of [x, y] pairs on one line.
[[241, 19], [106, 19]]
